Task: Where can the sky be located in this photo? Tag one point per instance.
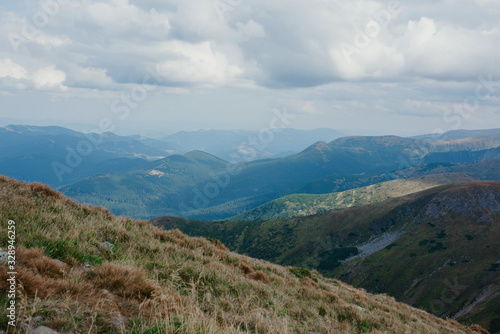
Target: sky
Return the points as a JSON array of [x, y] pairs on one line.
[[160, 66]]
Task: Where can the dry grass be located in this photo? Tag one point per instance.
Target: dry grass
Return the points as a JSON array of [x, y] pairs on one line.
[[166, 282], [259, 276]]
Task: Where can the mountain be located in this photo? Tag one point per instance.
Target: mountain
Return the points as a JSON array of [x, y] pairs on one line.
[[60, 156], [231, 189], [461, 134], [161, 186], [309, 204], [463, 157], [83, 270], [484, 170], [241, 145], [415, 248]]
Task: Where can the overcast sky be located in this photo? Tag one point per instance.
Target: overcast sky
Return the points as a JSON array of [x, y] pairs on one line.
[[167, 65]]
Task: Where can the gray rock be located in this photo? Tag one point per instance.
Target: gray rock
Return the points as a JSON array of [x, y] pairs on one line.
[[120, 322], [43, 330], [108, 245], [87, 266], [25, 326], [4, 257]]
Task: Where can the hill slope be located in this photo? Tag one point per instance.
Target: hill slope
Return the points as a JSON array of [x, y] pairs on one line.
[[411, 247], [140, 279], [309, 204], [161, 186]]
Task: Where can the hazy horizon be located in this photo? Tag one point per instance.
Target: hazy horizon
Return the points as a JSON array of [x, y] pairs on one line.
[[150, 132]]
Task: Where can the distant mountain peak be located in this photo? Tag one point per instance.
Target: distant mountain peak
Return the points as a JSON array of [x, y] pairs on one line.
[[321, 145], [389, 140]]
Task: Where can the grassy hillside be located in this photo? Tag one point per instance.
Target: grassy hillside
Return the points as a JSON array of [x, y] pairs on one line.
[[484, 170], [155, 281], [410, 247], [309, 204]]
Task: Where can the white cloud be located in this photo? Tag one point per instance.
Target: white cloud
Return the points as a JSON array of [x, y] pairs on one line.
[[122, 20], [45, 39], [251, 30], [90, 77], [10, 69], [49, 78], [448, 52], [196, 63]]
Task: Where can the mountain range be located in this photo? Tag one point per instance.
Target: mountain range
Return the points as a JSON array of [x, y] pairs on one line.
[[225, 189], [60, 156]]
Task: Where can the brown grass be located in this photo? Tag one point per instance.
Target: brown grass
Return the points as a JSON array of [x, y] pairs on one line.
[[246, 269], [259, 276], [166, 282], [477, 329], [45, 191], [122, 281]]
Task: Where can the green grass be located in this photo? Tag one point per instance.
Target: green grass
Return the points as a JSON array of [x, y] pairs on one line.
[[308, 204]]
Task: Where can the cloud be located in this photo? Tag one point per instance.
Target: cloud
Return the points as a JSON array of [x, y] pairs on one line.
[[89, 77], [419, 61], [49, 78], [269, 44], [447, 52], [251, 30], [196, 63], [10, 69], [16, 77], [118, 19]]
